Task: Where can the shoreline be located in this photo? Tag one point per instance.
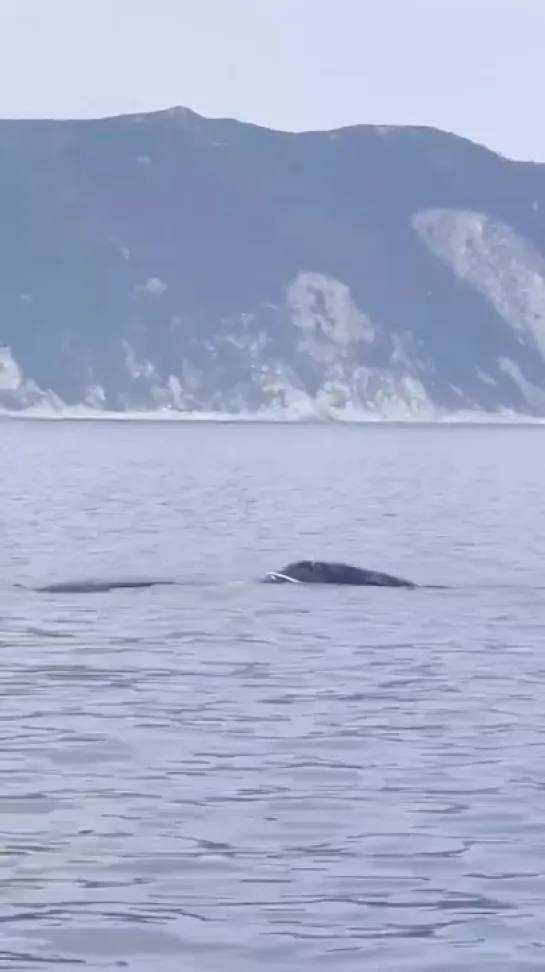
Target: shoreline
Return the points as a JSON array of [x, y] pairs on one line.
[[225, 418]]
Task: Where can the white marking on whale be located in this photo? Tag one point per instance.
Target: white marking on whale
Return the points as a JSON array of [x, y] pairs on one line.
[[277, 575]]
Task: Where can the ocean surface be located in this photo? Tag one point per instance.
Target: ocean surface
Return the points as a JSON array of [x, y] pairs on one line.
[[228, 776]]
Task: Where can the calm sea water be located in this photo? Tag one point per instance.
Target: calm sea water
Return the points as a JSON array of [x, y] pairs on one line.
[[225, 775]]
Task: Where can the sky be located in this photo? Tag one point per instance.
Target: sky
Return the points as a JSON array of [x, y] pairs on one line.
[[474, 67]]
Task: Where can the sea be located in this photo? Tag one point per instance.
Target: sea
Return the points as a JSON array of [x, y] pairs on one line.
[[220, 775]]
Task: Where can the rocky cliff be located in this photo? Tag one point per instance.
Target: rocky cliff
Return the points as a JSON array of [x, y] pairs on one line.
[[169, 261]]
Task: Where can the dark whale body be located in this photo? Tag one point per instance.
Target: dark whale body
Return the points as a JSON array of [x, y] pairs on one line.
[[324, 572], [96, 586]]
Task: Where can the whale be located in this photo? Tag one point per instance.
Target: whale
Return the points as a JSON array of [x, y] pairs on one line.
[[326, 572], [97, 586], [297, 572]]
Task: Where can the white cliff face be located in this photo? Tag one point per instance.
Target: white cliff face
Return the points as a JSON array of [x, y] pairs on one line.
[[533, 394], [508, 272], [18, 392], [328, 333], [337, 336], [330, 321], [333, 336], [10, 372]]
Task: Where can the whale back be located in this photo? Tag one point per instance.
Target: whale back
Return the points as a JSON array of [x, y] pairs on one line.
[[327, 572]]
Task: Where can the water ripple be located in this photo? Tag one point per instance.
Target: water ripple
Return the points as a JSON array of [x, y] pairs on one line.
[[229, 774]]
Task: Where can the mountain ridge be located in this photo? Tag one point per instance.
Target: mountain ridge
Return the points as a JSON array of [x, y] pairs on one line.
[[167, 261]]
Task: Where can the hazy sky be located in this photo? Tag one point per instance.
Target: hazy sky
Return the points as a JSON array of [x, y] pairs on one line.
[[476, 67]]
